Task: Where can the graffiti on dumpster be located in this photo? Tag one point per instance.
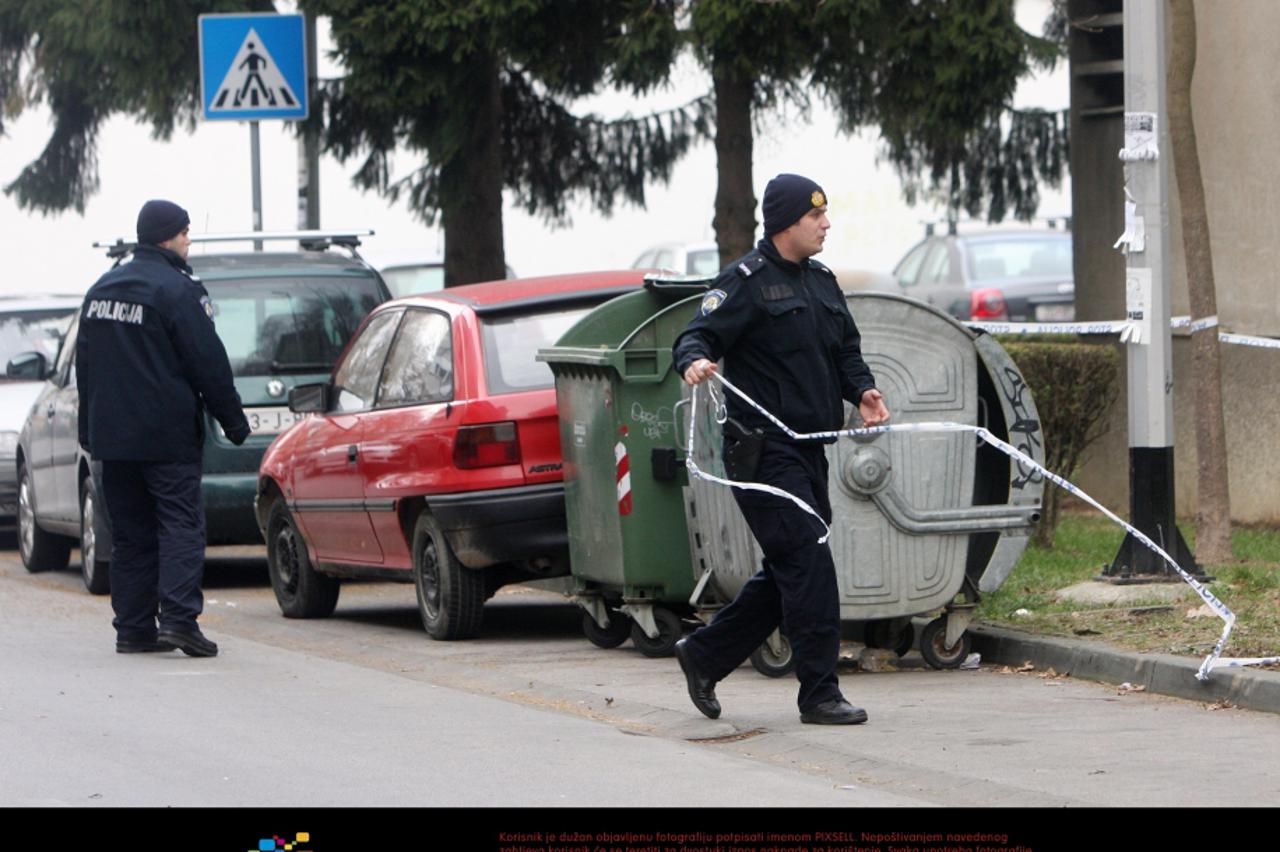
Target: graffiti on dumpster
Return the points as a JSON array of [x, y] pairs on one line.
[[654, 423], [1024, 431]]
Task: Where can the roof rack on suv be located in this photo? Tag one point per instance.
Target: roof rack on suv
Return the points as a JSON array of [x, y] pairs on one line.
[[309, 240]]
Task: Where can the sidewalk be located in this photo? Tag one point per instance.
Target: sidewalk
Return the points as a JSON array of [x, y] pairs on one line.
[[1248, 687]]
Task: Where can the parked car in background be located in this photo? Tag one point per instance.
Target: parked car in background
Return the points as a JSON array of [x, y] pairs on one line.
[[283, 316], [33, 325], [704, 259], [410, 273], [684, 258], [433, 453], [858, 280], [1017, 275], [405, 279]]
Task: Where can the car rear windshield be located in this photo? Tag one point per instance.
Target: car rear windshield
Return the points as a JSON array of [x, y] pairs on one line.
[[289, 325], [990, 260], [511, 343], [410, 280], [705, 262]]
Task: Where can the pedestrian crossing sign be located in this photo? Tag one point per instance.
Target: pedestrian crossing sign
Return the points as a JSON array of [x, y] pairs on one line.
[[252, 67]]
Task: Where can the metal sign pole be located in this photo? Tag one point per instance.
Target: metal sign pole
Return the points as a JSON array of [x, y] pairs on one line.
[[255, 155], [255, 66], [309, 143]]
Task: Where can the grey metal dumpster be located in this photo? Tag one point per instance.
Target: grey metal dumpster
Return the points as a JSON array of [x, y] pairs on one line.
[[922, 520]]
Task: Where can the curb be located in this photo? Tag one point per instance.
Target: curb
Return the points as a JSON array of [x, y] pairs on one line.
[[1255, 689]]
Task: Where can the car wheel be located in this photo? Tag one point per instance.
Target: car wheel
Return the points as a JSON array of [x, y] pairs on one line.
[[301, 590], [40, 550], [450, 595], [95, 571]]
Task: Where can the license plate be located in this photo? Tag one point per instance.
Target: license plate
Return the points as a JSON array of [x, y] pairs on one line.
[[1055, 313], [270, 421]]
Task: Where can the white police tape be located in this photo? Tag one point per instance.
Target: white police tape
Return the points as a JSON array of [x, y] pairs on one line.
[[1213, 659], [1101, 327], [1247, 340], [1194, 325], [721, 415], [1127, 330]]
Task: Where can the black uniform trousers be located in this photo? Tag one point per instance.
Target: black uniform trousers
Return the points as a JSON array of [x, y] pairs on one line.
[[156, 511], [797, 586]]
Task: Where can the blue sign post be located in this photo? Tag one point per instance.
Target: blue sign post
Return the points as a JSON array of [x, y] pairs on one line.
[[253, 67]]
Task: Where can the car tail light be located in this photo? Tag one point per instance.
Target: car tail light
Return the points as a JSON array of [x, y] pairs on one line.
[[987, 305], [490, 445]]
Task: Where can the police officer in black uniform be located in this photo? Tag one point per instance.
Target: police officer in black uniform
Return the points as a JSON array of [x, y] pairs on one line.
[[148, 363], [782, 325]]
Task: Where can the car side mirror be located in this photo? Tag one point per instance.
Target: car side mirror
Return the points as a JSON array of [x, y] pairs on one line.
[[29, 366], [308, 399]]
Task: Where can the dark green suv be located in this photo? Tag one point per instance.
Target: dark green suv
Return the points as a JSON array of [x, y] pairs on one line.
[[284, 317]]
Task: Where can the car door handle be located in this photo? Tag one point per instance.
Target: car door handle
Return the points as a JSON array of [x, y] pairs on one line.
[[352, 451]]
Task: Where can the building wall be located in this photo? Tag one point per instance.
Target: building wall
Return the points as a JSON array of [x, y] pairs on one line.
[[1236, 104]]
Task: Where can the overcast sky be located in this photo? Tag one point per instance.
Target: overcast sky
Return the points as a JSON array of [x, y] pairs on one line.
[[208, 173]]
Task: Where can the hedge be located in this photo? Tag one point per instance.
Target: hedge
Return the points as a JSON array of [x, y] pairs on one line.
[[1074, 385]]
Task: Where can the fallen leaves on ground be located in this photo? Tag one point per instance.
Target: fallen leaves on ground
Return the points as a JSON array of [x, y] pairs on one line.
[[1025, 667]]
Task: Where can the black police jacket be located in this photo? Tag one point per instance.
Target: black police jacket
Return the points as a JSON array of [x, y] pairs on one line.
[[147, 362], [787, 339]]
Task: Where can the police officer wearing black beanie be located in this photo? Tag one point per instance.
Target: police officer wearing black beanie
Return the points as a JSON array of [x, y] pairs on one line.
[[783, 327], [148, 365]]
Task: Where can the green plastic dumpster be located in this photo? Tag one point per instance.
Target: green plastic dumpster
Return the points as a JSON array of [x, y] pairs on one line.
[[620, 402]]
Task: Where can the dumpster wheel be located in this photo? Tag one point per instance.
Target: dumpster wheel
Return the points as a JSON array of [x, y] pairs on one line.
[[618, 631], [933, 646], [669, 632], [774, 659], [891, 634]]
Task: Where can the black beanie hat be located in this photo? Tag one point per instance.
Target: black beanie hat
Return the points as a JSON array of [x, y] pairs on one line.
[[786, 199], [159, 221]]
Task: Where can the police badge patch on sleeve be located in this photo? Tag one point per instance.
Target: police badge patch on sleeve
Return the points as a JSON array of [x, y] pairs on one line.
[[207, 304], [712, 300]]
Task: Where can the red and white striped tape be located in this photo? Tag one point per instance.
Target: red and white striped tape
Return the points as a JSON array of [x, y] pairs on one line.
[[623, 469]]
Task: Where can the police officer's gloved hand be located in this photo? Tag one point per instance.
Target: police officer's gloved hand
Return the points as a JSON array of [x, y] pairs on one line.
[[238, 436]]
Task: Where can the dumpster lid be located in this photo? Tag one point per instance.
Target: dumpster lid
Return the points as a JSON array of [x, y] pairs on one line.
[[673, 284]]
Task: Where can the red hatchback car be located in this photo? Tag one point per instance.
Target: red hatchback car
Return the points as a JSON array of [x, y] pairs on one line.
[[433, 453]]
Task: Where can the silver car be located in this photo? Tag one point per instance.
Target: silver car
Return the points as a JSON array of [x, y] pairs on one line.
[[996, 275], [684, 258], [28, 324]]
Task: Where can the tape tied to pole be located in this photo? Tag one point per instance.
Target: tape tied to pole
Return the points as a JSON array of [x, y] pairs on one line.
[[1219, 608], [1127, 330]]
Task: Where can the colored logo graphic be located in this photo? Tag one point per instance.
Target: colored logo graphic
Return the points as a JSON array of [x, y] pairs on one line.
[[275, 843], [712, 300]]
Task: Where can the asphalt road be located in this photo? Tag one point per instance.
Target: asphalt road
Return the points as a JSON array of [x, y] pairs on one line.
[[364, 709]]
